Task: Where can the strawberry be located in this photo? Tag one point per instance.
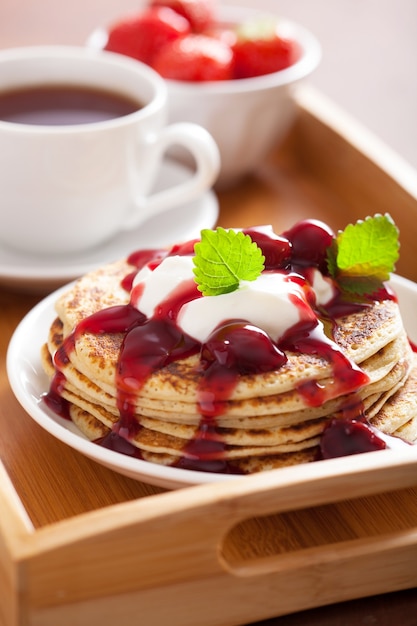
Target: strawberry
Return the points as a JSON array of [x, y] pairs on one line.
[[200, 13], [195, 58], [223, 33], [259, 50], [142, 36]]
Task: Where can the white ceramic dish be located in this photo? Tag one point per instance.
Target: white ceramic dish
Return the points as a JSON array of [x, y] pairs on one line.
[[29, 382], [40, 274]]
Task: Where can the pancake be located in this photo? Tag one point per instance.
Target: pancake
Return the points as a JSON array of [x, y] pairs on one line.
[[385, 369], [96, 357], [249, 422], [360, 336], [398, 414]]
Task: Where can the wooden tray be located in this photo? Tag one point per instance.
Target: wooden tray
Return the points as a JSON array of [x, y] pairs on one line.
[[82, 545]]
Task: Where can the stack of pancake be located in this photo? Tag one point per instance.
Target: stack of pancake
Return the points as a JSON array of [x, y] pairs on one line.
[[265, 423]]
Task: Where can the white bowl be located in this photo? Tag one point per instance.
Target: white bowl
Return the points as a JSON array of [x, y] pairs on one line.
[[249, 116], [246, 117]]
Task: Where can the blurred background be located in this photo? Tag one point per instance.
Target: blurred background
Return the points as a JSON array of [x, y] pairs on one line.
[[369, 64]]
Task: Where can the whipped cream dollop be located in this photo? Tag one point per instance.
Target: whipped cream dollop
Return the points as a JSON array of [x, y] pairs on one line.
[[274, 302]]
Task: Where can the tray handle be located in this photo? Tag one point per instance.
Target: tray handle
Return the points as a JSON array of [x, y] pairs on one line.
[[198, 533]]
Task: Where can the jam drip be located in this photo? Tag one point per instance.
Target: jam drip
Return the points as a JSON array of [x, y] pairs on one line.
[[233, 349], [54, 400], [343, 437], [146, 348], [346, 376], [236, 348], [113, 441]]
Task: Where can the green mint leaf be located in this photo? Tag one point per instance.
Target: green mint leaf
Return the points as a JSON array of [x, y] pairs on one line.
[[364, 254], [223, 258]]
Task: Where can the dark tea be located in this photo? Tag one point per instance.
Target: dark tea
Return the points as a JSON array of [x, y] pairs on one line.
[[62, 105]]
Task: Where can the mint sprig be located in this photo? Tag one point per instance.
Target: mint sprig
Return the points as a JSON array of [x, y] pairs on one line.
[[364, 254], [223, 258]]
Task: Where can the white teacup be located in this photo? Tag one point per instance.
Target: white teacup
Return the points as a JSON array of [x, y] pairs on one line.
[[67, 187]]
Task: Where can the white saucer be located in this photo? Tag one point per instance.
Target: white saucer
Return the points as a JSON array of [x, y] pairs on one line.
[[29, 382], [41, 274]]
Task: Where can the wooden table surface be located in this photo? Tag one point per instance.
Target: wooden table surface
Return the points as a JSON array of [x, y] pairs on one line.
[[23, 22]]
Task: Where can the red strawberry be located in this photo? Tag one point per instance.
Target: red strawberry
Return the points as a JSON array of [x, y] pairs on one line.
[[195, 58], [144, 35], [259, 50], [223, 33], [200, 13]]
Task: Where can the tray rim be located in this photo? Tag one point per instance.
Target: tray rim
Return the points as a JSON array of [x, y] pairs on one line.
[[314, 103], [353, 133], [265, 495]]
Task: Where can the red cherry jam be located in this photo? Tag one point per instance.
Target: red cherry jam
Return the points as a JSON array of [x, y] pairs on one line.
[[234, 349], [310, 241], [242, 348], [343, 437], [276, 250]]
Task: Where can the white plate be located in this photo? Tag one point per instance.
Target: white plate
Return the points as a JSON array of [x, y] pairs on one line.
[[40, 274], [29, 382]]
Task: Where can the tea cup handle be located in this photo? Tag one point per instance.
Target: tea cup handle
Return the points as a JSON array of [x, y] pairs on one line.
[[202, 147]]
